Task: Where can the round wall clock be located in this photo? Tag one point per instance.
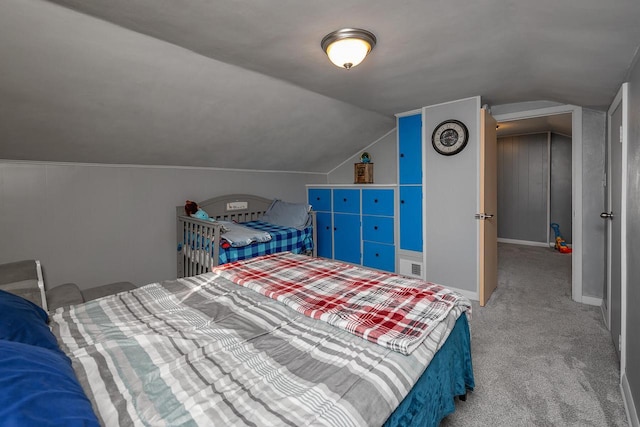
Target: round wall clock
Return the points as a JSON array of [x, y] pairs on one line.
[[450, 137]]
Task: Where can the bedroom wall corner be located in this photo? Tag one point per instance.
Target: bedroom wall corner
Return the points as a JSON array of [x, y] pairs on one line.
[[383, 152], [96, 224]]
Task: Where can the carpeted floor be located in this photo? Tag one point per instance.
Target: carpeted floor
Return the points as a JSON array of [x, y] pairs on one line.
[[539, 358]]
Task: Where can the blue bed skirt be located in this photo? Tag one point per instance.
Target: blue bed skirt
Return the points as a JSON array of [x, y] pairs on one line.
[[449, 374]]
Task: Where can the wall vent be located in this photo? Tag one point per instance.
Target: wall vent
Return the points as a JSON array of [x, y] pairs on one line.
[[416, 269], [411, 268]]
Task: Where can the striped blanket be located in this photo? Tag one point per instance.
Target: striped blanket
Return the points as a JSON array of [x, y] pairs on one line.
[[205, 351], [383, 308]]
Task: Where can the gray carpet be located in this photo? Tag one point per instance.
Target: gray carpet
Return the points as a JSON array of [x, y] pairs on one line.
[[539, 358]]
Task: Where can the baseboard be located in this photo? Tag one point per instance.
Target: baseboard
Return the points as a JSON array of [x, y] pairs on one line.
[[592, 301], [524, 242], [629, 405]]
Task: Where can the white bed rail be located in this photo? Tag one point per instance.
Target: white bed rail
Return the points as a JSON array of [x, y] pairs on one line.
[[197, 236]]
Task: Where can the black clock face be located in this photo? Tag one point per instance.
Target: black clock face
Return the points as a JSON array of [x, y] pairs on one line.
[[450, 137]]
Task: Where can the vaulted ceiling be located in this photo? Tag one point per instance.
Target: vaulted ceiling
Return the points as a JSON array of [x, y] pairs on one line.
[[244, 83]]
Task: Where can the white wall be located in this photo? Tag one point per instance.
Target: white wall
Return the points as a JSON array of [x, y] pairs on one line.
[[451, 199], [96, 224]]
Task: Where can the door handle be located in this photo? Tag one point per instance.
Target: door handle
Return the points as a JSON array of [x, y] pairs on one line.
[[484, 216], [606, 215]]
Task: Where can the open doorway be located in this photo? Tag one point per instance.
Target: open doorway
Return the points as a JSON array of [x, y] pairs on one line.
[[575, 112], [534, 180]]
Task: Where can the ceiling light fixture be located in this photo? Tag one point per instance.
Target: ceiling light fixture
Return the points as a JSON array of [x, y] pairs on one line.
[[348, 47]]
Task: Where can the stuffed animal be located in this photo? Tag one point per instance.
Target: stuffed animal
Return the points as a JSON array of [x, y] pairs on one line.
[[192, 209]]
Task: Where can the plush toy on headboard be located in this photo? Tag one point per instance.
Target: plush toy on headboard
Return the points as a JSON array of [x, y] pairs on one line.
[[192, 209]]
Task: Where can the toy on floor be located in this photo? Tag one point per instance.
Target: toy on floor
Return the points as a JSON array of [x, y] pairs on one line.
[[561, 245]]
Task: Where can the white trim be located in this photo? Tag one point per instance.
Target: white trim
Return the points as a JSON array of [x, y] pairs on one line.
[[43, 295], [409, 113], [131, 165], [629, 405], [547, 230], [623, 228], [621, 98], [576, 182], [524, 242], [592, 301], [352, 185], [605, 319]]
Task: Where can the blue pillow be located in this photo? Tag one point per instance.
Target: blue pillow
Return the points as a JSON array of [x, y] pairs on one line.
[[39, 388], [293, 215], [23, 321]]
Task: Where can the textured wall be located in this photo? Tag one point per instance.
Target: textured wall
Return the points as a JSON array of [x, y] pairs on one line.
[[94, 224], [523, 171], [633, 239], [560, 209]]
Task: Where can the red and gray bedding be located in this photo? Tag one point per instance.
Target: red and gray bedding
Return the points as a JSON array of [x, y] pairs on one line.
[[205, 351], [387, 309]]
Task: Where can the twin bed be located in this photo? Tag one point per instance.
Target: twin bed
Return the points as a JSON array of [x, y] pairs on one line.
[[278, 339], [200, 242]]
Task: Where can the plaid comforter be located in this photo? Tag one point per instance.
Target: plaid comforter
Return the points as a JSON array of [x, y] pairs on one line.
[[383, 308], [282, 239], [205, 351]]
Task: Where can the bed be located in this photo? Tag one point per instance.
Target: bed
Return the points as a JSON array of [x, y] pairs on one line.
[[200, 243], [254, 342]]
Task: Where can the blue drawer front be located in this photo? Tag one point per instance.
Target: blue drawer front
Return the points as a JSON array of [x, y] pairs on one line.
[[325, 233], [380, 256], [411, 218], [346, 234], [320, 199], [377, 229], [377, 202], [346, 201]]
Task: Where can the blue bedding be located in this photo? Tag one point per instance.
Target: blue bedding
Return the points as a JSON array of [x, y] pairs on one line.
[[449, 374], [38, 386], [282, 239]]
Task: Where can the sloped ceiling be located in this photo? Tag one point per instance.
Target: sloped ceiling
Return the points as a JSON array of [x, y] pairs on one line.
[[244, 83]]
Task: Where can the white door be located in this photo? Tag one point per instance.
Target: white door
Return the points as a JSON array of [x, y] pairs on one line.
[[614, 217]]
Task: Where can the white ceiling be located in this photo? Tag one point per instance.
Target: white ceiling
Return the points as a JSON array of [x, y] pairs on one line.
[[194, 82]]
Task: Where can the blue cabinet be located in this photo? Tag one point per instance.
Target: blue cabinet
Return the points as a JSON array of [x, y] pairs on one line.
[[411, 218], [410, 149], [320, 199], [410, 177], [356, 225], [324, 234], [346, 237], [346, 201]]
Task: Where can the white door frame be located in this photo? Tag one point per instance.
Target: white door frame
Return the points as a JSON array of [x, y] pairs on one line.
[[622, 97], [576, 186]]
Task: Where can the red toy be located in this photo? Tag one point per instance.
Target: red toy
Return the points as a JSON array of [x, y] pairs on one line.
[[561, 245]]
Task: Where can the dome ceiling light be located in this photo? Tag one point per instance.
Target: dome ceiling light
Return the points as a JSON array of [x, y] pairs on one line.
[[348, 47]]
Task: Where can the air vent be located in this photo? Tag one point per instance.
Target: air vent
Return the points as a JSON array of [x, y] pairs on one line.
[[409, 267], [416, 269]]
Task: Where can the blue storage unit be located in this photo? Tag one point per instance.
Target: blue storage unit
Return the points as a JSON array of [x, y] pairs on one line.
[[410, 149], [377, 202], [380, 256], [356, 225], [324, 234], [377, 229], [411, 218], [320, 199], [346, 237], [346, 201]]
